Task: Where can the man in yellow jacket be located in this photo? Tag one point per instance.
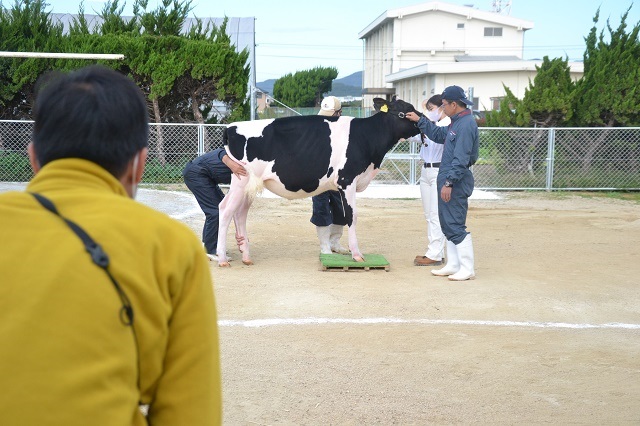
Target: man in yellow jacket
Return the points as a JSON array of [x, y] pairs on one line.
[[87, 338]]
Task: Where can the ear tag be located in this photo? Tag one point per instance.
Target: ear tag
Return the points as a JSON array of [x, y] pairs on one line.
[[384, 108]]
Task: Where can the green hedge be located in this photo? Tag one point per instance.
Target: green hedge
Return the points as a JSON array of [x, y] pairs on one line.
[[156, 172], [15, 167]]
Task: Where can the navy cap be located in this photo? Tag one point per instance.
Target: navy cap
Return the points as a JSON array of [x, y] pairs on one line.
[[456, 94]]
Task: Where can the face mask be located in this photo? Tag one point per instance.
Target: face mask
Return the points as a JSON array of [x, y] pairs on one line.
[[433, 115], [134, 184]]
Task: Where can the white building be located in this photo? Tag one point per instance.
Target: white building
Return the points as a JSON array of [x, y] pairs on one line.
[[415, 52]]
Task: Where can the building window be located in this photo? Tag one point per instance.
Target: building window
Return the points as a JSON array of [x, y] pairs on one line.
[[492, 32], [461, 26]]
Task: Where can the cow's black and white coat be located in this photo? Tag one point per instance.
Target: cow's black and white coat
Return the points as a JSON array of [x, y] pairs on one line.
[[297, 157]]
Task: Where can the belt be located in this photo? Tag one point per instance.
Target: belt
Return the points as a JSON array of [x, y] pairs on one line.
[[427, 165]]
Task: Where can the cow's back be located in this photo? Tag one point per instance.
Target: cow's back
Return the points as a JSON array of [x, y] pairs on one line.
[[298, 148]]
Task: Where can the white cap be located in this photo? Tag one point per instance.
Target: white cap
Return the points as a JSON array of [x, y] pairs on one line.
[[329, 106]]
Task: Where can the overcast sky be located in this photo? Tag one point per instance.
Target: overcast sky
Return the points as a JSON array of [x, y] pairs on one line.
[[298, 35]]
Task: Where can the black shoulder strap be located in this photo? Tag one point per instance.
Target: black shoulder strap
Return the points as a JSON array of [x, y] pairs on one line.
[[98, 255]]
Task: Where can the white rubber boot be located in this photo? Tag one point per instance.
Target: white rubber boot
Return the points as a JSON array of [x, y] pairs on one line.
[[453, 263], [465, 256], [336, 234], [324, 235]]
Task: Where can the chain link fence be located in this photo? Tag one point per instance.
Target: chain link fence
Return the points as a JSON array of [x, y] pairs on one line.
[[510, 158]]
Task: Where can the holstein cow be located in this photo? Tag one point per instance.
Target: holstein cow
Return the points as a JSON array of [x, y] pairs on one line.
[[298, 157]]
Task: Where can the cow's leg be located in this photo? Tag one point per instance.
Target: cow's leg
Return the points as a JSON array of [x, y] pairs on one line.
[[228, 208], [350, 195], [240, 220]]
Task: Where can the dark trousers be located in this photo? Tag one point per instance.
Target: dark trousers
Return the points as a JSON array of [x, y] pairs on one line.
[[209, 195], [328, 208], [453, 215]]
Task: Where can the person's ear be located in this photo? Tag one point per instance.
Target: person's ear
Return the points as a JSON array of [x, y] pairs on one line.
[[141, 163], [33, 158]]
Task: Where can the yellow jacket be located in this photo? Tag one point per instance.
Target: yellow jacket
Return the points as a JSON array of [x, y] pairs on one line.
[[66, 358]]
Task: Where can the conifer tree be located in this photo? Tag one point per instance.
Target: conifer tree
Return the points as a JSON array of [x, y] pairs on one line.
[[305, 88], [548, 100], [608, 94]]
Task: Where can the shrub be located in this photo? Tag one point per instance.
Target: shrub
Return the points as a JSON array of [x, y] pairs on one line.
[[156, 172], [15, 167]]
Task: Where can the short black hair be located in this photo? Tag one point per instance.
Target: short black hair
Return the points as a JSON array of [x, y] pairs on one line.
[[435, 100], [93, 113]]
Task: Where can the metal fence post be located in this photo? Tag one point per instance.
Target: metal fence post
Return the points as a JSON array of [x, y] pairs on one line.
[[200, 139], [550, 158], [412, 165]]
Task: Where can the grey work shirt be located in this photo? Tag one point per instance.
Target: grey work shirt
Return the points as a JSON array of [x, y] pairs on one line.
[[212, 165], [460, 141]]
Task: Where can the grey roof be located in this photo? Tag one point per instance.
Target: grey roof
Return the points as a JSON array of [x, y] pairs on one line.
[[466, 11], [479, 58]]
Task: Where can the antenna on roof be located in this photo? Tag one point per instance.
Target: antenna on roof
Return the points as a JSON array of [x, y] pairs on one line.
[[497, 6]]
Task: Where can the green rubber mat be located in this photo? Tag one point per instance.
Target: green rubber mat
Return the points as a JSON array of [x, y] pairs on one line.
[[344, 262]]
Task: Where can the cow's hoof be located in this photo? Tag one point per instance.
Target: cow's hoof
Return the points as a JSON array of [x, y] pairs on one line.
[[224, 264], [247, 262]]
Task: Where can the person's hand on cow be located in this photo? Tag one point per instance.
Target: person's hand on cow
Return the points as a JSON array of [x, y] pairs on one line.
[[412, 116], [236, 168]]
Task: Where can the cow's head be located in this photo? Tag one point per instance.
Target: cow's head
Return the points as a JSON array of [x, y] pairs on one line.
[[397, 109]]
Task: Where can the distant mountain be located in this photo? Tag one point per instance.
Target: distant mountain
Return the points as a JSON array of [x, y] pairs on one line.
[[341, 90], [354, 79], [267, 85], [350, 85]]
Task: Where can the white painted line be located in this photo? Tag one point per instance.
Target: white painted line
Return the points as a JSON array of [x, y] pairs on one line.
[[186, 214], [318, 321], [162, 191]]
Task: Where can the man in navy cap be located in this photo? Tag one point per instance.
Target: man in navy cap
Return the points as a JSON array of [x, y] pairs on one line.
[[455, 180]]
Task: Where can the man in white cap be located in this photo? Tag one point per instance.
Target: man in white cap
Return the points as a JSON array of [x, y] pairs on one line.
[[330, 107], [328, 212]]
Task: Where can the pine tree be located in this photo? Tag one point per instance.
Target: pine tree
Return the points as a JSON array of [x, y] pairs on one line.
[[548, 100], [608, 94], [305, 89]]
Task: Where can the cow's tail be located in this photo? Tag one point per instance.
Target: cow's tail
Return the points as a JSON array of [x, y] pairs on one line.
[[253, 187]]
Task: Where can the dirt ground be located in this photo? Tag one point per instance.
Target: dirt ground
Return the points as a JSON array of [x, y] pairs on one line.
[[549, 332]]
